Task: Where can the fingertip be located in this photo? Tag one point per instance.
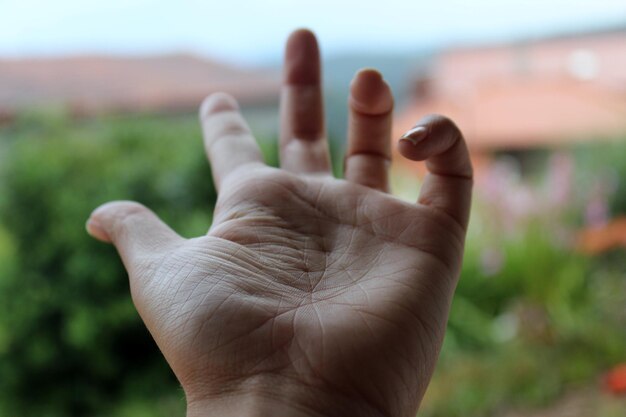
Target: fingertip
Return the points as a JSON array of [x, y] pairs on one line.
[[216, 103], [368, 74], [302, 34], [370, 94], [100, 220], [410, 151], [95, 230], [409, 143], [437, 139], [302, 62], [105, 219]]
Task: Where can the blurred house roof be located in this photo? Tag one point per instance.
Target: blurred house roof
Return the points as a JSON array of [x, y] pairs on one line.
[[89, 84], [538, 93]]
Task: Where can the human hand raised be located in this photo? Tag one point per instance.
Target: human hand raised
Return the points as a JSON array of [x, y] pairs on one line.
[[309, 295]]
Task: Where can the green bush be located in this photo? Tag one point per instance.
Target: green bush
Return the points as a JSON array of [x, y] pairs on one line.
[[601, 168], [71, 343], [548, 318]]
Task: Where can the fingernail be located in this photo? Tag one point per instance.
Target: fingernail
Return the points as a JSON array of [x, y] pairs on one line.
[[94, 228], [415, 135]]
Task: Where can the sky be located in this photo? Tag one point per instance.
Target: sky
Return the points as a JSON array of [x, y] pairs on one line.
[[252, 32]]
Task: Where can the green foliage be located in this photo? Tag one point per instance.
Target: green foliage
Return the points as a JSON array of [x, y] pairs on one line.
[[602, 167], [71, 343], [548, 320]]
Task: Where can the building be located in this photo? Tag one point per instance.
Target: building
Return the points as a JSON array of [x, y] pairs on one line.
[[535, 94]]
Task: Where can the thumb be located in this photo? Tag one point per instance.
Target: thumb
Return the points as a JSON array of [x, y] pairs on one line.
[[135, 231]]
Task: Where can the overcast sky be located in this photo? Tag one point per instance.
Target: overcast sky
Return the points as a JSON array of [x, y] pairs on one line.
[[253, 31]]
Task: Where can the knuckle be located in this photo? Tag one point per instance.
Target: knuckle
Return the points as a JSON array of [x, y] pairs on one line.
[[216, 103], [231, 126], [225, 125]]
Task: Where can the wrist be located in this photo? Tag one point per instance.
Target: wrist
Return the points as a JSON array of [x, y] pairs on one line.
[[247, 405], [275, 396]]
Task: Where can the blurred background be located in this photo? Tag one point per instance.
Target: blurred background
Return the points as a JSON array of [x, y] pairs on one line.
[[98, 101]]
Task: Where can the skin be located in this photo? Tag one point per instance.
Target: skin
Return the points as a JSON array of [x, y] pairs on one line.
[[309, 295]]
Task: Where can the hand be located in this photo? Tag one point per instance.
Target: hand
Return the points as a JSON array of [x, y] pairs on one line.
[[309, 295]]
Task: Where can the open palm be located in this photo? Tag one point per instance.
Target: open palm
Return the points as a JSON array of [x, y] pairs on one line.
[[309, 295]]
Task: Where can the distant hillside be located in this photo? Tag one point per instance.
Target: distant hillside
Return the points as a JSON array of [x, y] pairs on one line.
[[177, 83], [89, 84], [398, 70]]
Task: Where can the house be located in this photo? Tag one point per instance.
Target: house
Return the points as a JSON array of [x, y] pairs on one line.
[[528, 95]]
